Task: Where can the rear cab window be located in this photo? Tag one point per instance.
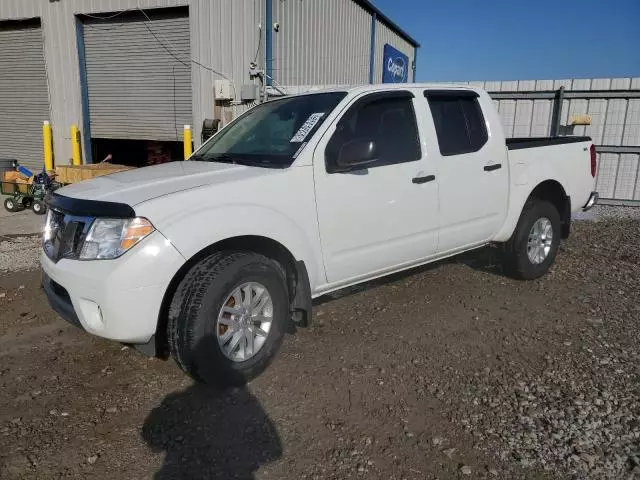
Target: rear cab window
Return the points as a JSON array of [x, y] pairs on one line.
[[459, 121]]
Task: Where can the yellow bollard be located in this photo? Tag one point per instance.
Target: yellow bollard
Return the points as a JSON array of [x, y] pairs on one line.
[[188, 142], [47, 138], [76, 153]]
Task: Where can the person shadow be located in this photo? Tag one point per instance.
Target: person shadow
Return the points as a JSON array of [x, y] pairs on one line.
[[210, 433]]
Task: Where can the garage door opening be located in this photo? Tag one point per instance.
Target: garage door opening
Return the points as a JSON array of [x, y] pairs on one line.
[[135, 153], [137, 85]]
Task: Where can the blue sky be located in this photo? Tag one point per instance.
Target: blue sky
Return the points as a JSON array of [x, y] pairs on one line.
[[520, 40]]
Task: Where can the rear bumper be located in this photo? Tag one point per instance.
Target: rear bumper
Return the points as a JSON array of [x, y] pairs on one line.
[[593, 199]]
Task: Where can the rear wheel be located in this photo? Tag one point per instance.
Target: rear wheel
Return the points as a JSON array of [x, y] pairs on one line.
[[228, 317], [11, 205], [534, 245]]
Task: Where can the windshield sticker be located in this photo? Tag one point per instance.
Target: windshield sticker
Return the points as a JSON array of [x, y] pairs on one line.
[[311, 122]]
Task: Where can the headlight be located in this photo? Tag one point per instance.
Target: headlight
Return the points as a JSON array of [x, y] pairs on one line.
[[111, 237], [47, 231]]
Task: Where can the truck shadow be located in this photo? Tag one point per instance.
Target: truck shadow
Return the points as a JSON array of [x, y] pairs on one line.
[[211, 433], [485, 259]]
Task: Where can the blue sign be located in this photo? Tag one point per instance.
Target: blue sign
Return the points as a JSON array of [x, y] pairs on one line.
[[395, 66]]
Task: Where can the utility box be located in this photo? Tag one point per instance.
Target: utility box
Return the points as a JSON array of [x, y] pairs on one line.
[[223, 90], [249, 92]]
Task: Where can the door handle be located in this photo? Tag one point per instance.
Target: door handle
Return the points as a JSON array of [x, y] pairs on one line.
[[428, 178], [491, 168]]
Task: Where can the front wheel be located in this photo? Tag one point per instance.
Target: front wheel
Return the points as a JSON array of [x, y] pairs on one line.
[[38, 207], [533, 247], [228, 317]]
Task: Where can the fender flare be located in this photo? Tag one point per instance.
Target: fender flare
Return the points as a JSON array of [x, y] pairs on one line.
[[519, 195]]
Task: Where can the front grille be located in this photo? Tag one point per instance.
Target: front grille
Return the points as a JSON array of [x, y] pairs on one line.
[[66, 235]]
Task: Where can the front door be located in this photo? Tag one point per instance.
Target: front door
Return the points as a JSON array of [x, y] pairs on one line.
[[378, 218]]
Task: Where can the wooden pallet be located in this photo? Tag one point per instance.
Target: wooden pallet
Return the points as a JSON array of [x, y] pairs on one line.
[[77, 173]]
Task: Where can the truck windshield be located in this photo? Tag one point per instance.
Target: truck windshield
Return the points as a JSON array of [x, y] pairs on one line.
[[271, 134]]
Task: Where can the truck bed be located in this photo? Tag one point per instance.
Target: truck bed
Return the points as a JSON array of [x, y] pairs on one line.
[[532, 142]]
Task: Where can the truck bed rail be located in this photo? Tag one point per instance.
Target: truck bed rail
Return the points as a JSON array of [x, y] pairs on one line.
[[519, 143]]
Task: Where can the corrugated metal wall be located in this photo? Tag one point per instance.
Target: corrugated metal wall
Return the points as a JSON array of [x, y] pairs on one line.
[[615, 124], [321, 42], [224, 36], [385, 35], [22, 71]]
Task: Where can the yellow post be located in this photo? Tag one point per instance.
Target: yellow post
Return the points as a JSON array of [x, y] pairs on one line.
[[47, 138], [188, 142], [76, 153]]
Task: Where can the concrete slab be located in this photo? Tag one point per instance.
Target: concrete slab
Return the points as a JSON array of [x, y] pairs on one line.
[[24, 222]]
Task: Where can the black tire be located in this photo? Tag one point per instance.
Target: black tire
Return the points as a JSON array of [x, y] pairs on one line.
[[11, 205], [194, 311], [27, 202], [38, 207], [516, 259]]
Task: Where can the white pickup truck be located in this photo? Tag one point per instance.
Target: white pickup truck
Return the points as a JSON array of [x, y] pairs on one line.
[[211, 260]]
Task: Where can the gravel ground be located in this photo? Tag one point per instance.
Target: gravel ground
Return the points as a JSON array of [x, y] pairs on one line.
[[19, 253], [450, 371], [609, 212], [580, 412]]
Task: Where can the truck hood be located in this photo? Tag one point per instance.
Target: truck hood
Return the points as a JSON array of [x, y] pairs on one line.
[[142, 184]]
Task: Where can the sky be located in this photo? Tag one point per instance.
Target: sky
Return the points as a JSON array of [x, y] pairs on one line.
[[464, 40]]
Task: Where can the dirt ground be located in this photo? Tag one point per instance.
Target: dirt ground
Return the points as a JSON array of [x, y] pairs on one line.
[[449, 371]]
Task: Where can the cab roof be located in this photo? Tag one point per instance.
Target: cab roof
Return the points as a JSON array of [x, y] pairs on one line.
[[357, 89]]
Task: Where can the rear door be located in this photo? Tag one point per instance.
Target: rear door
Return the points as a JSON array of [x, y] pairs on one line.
[[472, 172], [378, 218]]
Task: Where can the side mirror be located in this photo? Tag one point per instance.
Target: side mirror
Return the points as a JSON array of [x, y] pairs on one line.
[[356, 154]]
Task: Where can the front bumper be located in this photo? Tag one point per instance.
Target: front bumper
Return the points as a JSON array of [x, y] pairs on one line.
[[117, 299], [593, 199], [59, 300]]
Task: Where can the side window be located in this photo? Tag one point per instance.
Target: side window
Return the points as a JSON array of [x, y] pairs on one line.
[[451, 126], [459, 122], [390, 122], [475, 123]]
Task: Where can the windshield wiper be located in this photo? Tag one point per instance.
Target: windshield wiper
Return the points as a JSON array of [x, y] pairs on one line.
[[222, 158], [235, 160], [257, 163]]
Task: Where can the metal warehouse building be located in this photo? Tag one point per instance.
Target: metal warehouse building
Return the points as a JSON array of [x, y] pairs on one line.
[[130, 73]]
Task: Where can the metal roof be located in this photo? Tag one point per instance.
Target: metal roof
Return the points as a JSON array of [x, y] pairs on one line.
[[387, 21]]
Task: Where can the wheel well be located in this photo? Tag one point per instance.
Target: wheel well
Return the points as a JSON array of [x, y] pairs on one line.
[[553, 192], [295, 271]]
